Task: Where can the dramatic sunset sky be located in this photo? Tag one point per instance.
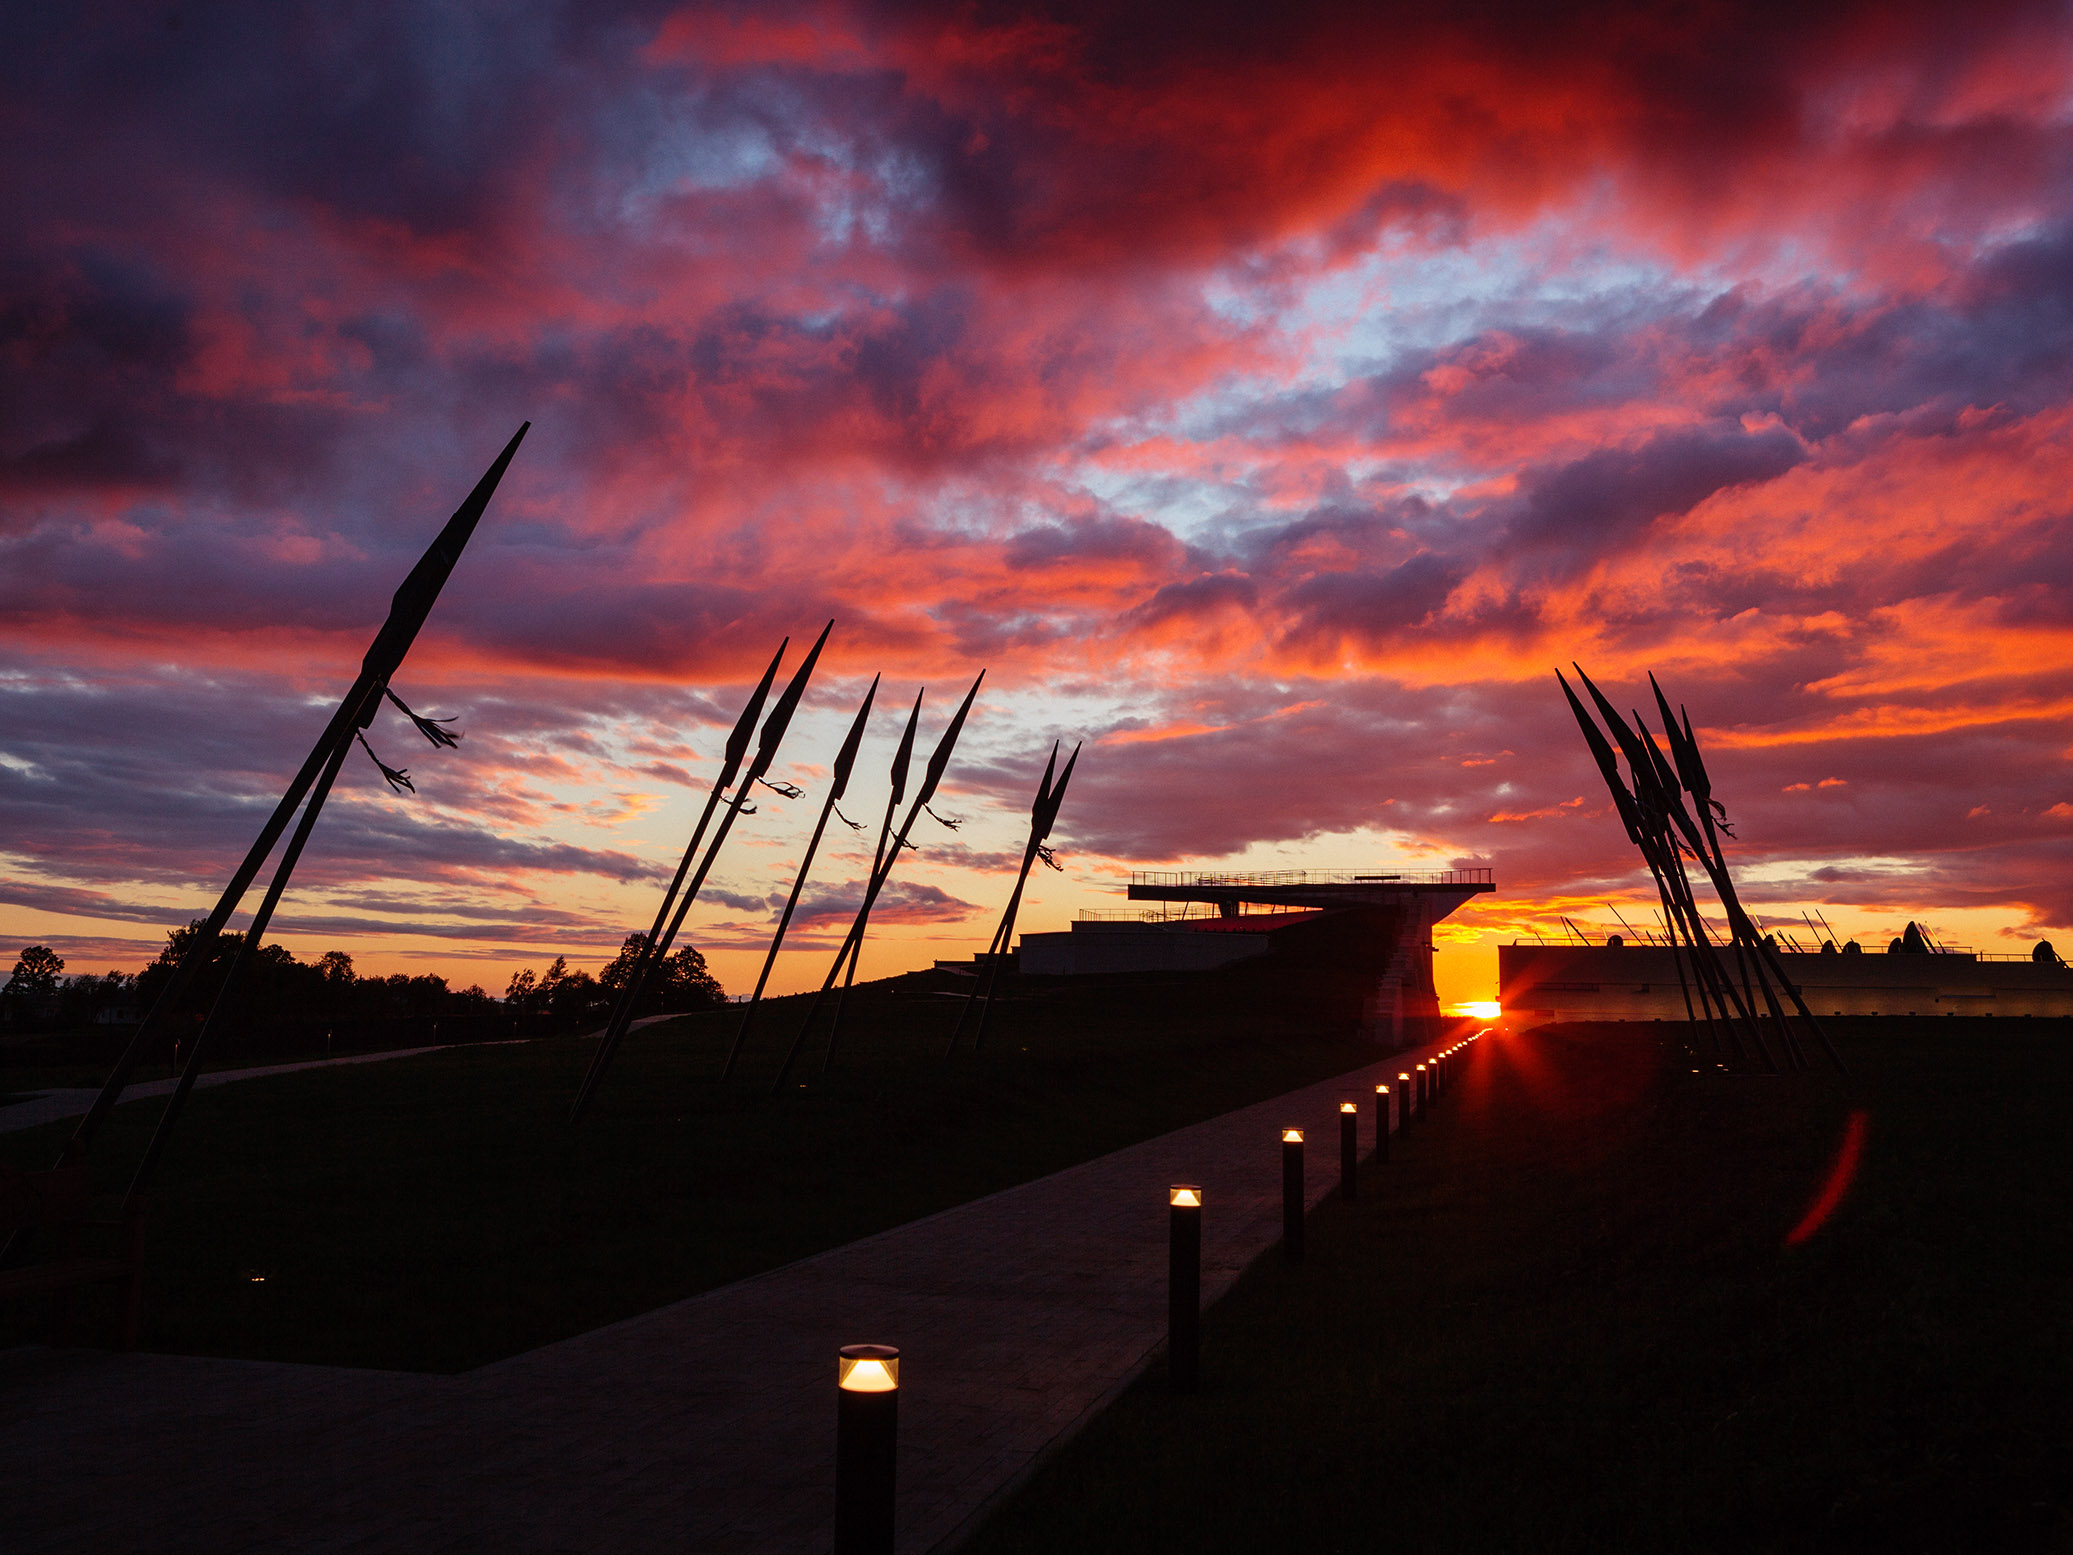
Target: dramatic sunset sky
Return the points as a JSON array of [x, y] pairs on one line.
[[1271, 397]]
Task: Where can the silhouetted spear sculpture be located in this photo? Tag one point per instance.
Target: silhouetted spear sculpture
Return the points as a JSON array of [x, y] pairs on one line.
[[845, 760], [1043, 815], [1647, 825], [1666, 831], [408, 609], [903, 758], [656, 948], [890, 851], [730, 763]]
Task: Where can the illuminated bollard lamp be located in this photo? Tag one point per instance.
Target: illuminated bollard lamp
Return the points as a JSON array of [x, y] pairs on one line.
[[1292, 1194], [867, 1420], [1403, 1103], [1424, 1095], [1183, 1287], [1349, 1149], [1381, 1122]]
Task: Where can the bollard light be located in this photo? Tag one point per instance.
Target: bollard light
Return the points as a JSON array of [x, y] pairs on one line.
[[867, 1420], [1381, 1122], [1183, 1287], [1422, 1096], [1349, 1149], [1292, 1194], [1403, 1103]]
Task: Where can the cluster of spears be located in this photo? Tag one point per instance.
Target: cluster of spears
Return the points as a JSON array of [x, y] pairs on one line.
[[311, 786], [1734, 1002]]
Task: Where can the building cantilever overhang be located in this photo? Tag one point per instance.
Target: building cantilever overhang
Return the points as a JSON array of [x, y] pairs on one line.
[[1356, 945], [1437, 892]]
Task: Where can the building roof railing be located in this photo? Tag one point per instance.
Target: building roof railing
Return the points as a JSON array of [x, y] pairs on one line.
[[1307, 877]]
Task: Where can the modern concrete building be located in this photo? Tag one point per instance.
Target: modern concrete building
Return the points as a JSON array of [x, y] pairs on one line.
[[1552, 982], [1359, 943]]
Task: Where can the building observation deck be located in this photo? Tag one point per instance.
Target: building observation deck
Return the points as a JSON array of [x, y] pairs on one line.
[[1310, 888]]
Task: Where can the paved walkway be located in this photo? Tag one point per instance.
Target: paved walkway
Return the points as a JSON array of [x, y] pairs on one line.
[[707, 1425]]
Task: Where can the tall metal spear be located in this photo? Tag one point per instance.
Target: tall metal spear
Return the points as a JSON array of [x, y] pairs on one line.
[[766, 752], [408, 609], [1641, 812], [1043, 816], [881, 871], [1691, 766], [994, 946], [939, 760], [1608, 767], [1657, 801], [903, 759], [1690, 773], [1658, 791], [163, 1132], [730, 763], [845, 759], [1668, 784]]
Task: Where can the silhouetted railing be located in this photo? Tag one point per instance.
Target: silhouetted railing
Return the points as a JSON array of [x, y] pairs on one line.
[[1304, 877]]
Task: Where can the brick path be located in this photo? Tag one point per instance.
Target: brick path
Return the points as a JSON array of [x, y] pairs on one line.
[[707, 1425]]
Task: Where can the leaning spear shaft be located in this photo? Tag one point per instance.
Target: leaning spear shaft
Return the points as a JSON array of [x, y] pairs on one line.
[[938, 761], [1052, 801], [881, 872], [844, 761], [163, 1132], [766, 752], [408, 609], [852, 942], [1646, 829], [1665, 807], [996, 946], [1623, 804], [1723, 884], [1685, 742], [730, 763]]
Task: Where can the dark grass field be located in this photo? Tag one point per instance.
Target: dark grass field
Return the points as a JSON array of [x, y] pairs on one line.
[[1566, 1317], [434, 1213]]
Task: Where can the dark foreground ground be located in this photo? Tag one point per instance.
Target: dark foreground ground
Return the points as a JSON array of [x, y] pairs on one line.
[[435, 1213], [1567, 1317]]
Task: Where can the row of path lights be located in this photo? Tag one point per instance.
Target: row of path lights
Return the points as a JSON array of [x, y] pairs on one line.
[[867, 1376]]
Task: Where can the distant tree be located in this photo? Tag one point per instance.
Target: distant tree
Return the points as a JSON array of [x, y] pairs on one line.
[[33, 984], [85, 999], [522, 988], [687, 983], [152, 981], [35, 973], [575, 998], [337, 968], [619, 971]]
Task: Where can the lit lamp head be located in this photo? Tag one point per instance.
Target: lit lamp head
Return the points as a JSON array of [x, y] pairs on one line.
[[1381, 1090], [1291, 1136], [1183, 1197], [1349, 1106], [1403, 1079], [867, 1368]]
